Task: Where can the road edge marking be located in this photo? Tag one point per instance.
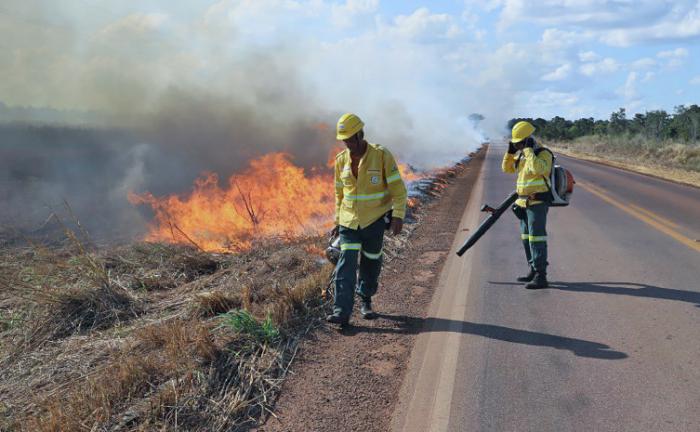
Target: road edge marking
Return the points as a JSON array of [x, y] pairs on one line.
[[419, 411]]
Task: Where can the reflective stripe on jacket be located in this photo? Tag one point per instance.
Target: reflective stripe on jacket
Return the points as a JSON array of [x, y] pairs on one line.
[[532, 171], [377, 189]]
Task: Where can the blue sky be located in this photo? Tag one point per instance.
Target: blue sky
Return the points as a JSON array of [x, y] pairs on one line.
[[428, 63]]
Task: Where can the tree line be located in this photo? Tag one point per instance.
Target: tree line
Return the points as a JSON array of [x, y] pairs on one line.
[[683, 125]]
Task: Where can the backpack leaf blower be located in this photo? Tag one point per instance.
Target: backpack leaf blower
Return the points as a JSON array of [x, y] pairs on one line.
[[488, 222]]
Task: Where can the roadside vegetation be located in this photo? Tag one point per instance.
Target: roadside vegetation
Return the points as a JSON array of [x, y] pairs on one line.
[[656, 140], [150, 336], [154, 336]]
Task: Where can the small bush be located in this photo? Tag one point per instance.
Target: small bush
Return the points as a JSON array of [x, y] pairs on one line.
[[244, 323]]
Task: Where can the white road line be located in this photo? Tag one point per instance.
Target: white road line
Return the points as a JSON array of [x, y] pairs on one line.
[[437, 354]]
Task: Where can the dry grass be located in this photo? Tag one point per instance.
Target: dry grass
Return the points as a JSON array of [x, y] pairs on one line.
[[212, 303], [159, 363], [666, 159], [157, 337], [172, 362], [79, 309]]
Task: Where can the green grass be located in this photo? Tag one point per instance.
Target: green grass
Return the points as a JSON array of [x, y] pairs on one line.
[[10, 320], [244, 323]]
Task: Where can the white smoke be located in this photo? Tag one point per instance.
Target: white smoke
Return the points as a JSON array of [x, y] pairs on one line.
[[210, 90], [240, 78]]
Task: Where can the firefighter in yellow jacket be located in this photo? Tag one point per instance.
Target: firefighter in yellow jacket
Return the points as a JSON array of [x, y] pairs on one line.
[[533, 164], [368, 189]]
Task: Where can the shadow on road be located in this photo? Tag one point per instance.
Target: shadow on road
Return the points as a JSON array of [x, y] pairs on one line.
[[413, 325], [623, 288]]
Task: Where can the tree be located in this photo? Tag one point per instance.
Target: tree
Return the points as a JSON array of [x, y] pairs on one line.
[[638, 125], [601, 127], [618, 122], [683, 125], [686, 123], [694, 113], [657, 123], [581, 127], [475, 119]]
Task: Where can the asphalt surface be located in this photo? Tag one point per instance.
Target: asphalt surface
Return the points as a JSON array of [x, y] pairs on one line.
[[613, 345]]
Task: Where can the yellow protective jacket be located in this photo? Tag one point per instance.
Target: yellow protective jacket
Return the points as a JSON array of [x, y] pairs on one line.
[[533, 172], [377, 189]]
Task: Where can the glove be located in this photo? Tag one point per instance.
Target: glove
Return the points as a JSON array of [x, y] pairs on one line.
[[335, 231], [529, 142], [396, 225], [511, 148]]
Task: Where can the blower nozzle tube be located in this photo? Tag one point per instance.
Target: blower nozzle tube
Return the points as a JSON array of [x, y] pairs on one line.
[[488, 222]]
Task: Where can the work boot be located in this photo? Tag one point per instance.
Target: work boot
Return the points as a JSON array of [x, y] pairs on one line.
[[336, 318], [539, 282], [530, 276], [366, 309]]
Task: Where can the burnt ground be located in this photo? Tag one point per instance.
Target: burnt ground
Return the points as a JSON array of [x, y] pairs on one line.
[[349, 379]]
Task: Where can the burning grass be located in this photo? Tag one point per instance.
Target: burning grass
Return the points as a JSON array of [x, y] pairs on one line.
[[273, 199], [154, 336]]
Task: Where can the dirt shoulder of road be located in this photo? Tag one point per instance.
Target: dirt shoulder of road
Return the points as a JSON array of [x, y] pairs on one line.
[[350, 379], [690, 178]]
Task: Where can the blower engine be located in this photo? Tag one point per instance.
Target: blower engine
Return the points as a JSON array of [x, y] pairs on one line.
[[333, 249]]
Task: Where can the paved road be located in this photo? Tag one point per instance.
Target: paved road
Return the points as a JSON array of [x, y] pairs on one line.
[[614, 345]]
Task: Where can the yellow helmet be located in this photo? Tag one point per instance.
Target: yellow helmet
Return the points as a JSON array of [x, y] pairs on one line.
[[521, 130], [348, 125]]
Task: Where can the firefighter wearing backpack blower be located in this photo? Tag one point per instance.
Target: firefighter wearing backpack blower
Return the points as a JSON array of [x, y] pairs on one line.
[[368, 186], [533, 164]]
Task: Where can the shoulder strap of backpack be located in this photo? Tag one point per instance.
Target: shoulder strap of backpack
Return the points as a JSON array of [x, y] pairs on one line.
[[551, 169], [541, 149], [537, 153]]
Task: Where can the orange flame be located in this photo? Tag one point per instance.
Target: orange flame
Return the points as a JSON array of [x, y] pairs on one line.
[[408, 174], [272, 198]]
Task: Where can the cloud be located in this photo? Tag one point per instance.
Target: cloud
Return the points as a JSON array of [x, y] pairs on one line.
[[343, 15], [560, 73], [680, 22], [695, 80], [606, 66], [648, 77], [643, 63], [617, 23], [422, 25], [549, 103], [550, 98], [673, 54], [628, 91], [591, 14], [673, 58], [557, 47], [556, 38], [588, 56]]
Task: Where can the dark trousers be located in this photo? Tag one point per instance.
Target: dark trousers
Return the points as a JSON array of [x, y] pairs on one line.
[[365, 244], [533, 233]]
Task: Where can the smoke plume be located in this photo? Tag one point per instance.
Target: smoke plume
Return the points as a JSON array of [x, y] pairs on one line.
[[168, 97]]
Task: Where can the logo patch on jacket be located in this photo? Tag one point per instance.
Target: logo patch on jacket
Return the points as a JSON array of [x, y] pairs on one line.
[[374, 180]]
